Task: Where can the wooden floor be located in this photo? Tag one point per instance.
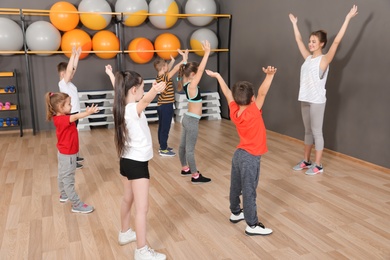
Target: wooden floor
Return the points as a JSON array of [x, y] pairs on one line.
[[341, 214]]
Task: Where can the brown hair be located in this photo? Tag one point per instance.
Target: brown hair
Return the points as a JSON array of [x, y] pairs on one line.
[[62, 66], [243, 92], [54, 101], [159, 63], [321, 35], [124, 81], [186, 70]]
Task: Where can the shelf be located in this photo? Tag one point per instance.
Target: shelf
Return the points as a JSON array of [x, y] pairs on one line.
[[6, 74], [12, 108]]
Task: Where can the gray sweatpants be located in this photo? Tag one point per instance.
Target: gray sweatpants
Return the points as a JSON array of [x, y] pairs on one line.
[[189, 136], [313, 119], [66, 180], [245, 175]]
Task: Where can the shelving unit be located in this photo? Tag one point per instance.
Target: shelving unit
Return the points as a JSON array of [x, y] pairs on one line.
[[10, 114], [105, 101]]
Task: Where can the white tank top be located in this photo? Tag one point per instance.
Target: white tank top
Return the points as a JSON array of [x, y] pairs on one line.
[[312, 86]]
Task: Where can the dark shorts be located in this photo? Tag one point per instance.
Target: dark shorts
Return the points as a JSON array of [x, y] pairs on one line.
[[133, 170]]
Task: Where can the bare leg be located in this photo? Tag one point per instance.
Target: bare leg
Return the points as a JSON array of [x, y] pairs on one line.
[[307, 152], [318, 155], [127, 203], [141, 202]]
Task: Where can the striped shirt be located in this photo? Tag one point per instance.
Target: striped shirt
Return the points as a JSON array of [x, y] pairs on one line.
[[168, 95], [312, 87]]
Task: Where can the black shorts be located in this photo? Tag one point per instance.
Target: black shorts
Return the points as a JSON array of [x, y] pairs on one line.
[[133, 170]]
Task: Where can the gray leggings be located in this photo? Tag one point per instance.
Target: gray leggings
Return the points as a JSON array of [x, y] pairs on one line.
[[189, 136], [313, 119], [66, 180]]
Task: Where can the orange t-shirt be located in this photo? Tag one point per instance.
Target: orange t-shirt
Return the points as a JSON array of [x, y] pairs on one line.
[[250, 127]]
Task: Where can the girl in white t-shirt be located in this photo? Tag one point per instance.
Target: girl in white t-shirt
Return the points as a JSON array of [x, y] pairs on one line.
[[314, 73], [134, 146]]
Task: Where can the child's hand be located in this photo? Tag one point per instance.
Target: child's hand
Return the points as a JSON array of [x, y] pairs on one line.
[[184, 54], [206, 46], [158, 87], [212, 73], [293, 18], [269, 70], [353, 12], [78, 51], [108, 69], [172, 59], [92, 109]]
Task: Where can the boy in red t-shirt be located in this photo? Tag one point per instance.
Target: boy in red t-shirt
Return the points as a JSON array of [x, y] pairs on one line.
[[246, 114], [58, 109]]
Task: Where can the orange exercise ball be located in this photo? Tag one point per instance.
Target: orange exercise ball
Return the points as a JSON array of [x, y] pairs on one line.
[[139, 45], [166, 45], [105, 41], [76, 38], [62, 18]]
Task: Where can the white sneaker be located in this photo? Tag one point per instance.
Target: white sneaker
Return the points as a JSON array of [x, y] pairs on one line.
[[259, 229], [237, 218], [126, 237], [146, 253]]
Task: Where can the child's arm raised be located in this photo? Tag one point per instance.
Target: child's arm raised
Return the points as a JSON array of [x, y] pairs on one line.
[[264, 87], [177, 66], [225, 89], [110, 74], [149, 96], [195, 80], [88, 111], [72, 64]]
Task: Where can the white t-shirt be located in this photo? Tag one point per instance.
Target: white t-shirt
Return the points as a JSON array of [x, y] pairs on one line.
[[138, 147], [312, 86], [70, 89]]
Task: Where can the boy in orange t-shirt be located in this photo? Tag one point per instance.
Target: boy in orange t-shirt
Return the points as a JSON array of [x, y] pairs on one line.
[[246, 114]]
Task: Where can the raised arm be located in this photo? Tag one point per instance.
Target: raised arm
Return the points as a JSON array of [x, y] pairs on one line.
[[149, 96], [72, 64], [110, 74], [177, 66], [170, 64], [195, 80], [327, 59], [88, 111], [264, 87], [298, 38], [225, 89]]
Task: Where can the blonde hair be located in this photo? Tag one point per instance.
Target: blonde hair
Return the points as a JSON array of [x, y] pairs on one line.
[[54, 101]]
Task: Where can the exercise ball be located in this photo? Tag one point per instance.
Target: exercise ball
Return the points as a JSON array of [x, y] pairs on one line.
[[76, 38], [95, 21], [139, 45], [166, 45], [43, 36], [105, 41], [201, 35], [163, 7], [135, 7], [11, 36], [200, 7], [62, 18]]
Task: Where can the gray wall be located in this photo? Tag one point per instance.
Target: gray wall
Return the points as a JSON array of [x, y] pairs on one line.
[[357, 121]]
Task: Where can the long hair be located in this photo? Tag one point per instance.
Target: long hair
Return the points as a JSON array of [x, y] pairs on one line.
[[243, 92], [54, 101], [322, 37], [186, 70], [124, 81]]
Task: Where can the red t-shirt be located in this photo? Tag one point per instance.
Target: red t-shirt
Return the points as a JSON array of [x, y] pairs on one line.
[[67, 135], [250, 127]]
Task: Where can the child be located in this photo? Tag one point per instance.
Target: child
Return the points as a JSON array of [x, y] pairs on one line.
[[314, 73], [66, 71], [134, 146], [246, 114], [58, 109], [189, 77], [165, 100]]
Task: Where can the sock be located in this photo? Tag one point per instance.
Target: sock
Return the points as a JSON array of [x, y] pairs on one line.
[[195, 175]]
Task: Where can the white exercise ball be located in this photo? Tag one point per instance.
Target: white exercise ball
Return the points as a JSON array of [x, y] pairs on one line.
[[163, 7], [135, 8], [201, 35], [11, 36], [100, 19], [43, 36], [200, 7]]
